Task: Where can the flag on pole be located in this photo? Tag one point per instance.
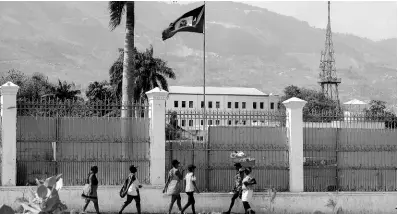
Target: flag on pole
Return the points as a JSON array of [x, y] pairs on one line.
[[192, 21]]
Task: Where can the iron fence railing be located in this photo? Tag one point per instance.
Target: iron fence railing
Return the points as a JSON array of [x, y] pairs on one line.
[[69, 137], [354, 153], [78, 108], [260, 134]]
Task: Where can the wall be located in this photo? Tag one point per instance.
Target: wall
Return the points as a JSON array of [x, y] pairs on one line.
[[154, 201]]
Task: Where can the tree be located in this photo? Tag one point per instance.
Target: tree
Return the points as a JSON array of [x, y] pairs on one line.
[[378, 112], [116, 11], [150, 72], [30, 87], [65, 91], [317, 103], [99, 91]]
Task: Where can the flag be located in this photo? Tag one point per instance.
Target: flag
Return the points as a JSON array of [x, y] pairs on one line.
[[192, 21]]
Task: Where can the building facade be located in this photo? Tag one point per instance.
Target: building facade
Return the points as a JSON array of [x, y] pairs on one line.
[[220, 98], [225, 106]]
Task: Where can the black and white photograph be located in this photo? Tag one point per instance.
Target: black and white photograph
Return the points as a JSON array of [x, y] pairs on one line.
[[202, 107]]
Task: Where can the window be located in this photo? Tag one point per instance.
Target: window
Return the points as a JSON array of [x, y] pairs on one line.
[[210, 104], [261, 105], [182, 122], [272, 106], [236, 122], [202, 104], [254, 105], [199, 138], [210, 122], [182, 104], [244, 122], [236, 104], [190, 104], [217, 104], [175, 104], [217, 122], [243, 105], [229, 122], [190, 122], [229, 105], [201, 122]]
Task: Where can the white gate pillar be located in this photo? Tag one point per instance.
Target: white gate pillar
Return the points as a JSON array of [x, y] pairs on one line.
[[157, 114], [9, 134], [294, 124]]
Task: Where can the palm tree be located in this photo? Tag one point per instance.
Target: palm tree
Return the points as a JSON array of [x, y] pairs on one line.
[[149, 73], [65, 91], [116, 11]]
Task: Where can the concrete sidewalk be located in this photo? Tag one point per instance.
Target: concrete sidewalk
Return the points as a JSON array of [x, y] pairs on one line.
[[153, 201]]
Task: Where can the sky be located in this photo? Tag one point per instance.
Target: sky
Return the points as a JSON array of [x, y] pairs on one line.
[[375, 20]]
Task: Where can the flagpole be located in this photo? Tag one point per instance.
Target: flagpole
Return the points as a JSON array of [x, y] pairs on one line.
[[204, 73]]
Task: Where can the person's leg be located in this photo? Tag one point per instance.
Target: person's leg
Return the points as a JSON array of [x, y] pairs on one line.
[[86, 205], [186, 205], [189, 202], [246, 206], [234, 197], [179, 202], [126, 203], [138, 204], [96, 206], [173, 199], [192, 201]]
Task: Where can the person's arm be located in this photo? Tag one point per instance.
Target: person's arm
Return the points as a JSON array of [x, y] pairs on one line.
[[90, 182], [194, 184]]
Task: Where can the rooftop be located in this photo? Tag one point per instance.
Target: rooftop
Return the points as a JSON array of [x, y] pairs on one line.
[[355, 102], [216, 90]]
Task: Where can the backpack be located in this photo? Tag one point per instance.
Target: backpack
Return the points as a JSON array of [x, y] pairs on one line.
[[125, 187]]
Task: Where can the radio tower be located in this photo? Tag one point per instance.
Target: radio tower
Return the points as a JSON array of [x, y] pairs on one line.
[[328, 77]]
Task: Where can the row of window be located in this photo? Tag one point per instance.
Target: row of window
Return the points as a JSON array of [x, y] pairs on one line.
[[217, 122], [229, 104]]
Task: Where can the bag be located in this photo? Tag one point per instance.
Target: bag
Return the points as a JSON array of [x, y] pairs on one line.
[[87, 187], [173, 188], [86, 190], [125, 187]]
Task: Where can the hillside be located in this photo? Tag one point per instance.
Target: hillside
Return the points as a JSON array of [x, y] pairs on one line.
[[245, 46]]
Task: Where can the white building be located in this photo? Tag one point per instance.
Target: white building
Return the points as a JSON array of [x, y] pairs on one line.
[[224, 106], [220, 98]]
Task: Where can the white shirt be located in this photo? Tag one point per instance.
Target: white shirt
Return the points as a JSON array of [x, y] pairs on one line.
[[133, 188], [248, 178], [188, 180]]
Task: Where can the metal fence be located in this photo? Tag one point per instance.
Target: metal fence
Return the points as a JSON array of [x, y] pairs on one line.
[[70, 137], [260, 134], [351, 151]]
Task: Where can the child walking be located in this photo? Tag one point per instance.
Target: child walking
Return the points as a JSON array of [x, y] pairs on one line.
[[247, 190], [132, 186], [190, 188]]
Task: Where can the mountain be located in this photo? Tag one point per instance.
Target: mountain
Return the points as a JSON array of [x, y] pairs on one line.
[[245, 46]]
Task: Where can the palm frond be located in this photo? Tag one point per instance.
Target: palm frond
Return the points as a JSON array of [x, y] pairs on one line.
[[116, 11]]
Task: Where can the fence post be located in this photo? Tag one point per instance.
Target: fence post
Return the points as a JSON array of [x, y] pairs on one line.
[[157, 114], [9, 134], [294, 124]]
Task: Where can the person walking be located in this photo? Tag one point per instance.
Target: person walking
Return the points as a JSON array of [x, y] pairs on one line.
[[237, 191], [90, 190], [132, 185], [173, 185], [190, 188], [247, 190]]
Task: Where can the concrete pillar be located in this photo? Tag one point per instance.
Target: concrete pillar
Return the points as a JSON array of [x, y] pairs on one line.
[[157, 114], [294, 124], [9, 134]]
